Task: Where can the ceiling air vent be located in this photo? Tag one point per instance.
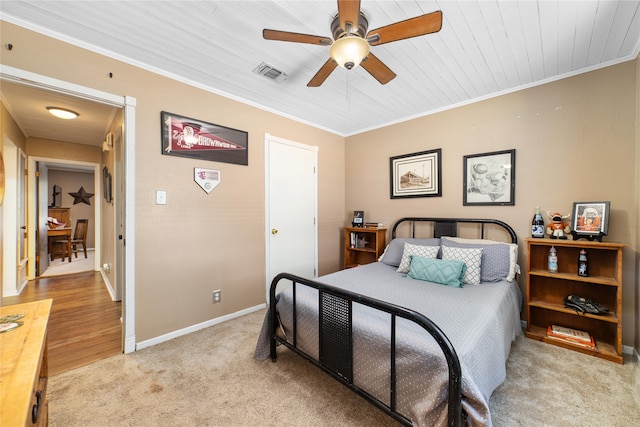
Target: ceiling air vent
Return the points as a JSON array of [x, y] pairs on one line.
[[271, 73]]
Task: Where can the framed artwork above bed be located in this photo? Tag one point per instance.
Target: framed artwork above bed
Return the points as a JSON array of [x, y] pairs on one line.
[[489, 178], [416, 174]]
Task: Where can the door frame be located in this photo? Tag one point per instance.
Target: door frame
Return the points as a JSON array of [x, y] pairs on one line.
[[10, 258], [268, 139], [50, 162], [17, 75]]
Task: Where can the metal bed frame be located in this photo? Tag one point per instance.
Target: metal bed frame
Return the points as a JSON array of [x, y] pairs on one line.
[[335, 327]]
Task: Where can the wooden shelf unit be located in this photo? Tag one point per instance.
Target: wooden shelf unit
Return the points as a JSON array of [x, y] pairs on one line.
[[376, 242], [545, 293]]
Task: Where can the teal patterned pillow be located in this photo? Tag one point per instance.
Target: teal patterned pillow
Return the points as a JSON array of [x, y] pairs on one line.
[[444, 272]]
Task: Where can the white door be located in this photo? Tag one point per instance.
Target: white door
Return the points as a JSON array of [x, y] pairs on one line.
[[23, 232], [291, 208]]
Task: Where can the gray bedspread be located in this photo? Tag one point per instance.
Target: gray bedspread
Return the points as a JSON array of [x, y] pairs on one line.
[[480, 321]]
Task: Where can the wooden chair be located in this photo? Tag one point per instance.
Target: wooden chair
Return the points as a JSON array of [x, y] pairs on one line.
[[79, 237]]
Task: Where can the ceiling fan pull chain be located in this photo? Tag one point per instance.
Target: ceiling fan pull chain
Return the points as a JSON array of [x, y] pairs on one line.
[[348, 91]]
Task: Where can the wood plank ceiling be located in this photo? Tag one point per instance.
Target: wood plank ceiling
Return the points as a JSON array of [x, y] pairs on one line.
[[485, 48]]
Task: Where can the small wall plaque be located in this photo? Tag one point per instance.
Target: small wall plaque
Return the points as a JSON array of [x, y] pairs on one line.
[[207, 179]]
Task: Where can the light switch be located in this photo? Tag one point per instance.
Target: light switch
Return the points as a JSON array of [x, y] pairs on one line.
[[161, 197]]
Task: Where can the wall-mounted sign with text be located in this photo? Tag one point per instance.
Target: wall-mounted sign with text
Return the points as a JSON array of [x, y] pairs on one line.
[[185, 137], [208, 179]]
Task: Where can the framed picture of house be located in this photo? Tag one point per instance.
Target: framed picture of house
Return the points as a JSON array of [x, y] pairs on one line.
[[590, 220], [416, 174], [489, 178]]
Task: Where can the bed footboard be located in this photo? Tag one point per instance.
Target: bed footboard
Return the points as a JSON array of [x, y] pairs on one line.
[[336, 342]]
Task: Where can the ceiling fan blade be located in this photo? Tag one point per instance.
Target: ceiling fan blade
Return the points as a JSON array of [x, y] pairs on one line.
[[413, 27], [377, 69], [349, 11], [286, 36], [323, 73]]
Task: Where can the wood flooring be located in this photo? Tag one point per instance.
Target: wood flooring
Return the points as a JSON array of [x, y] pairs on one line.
[[84, 325]]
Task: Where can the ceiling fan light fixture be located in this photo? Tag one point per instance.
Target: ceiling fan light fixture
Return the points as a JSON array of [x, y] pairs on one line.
[[62, 113], [349, 51]]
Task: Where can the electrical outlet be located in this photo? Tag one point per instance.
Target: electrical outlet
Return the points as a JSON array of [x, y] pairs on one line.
[[217, 296], [161, 197]]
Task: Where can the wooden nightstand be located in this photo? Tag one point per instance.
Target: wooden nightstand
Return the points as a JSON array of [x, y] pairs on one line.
[[363, 245]]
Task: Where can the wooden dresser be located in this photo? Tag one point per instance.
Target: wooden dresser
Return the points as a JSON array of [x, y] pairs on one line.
[[23, 357]]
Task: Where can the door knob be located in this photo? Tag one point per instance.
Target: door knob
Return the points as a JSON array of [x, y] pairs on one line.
[[274, 231]]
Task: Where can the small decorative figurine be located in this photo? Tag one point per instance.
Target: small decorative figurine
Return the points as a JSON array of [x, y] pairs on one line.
[[557, 228]]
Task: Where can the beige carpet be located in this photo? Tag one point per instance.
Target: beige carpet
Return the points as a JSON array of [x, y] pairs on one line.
[[59, 267], [209, 378]]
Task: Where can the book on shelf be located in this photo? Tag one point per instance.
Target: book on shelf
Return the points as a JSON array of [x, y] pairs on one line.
[[571, 336], [373, 224], [564, 332]]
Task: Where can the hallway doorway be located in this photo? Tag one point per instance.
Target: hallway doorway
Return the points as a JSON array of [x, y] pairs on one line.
[[123, 229]]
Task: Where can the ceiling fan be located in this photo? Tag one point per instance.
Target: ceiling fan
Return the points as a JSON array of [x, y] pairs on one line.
[[351, 42]]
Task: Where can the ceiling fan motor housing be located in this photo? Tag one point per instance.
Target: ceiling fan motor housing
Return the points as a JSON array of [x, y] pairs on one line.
[[361, 30]]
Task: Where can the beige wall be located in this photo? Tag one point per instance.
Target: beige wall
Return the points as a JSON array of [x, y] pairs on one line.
[[575, 140], [637, 223], [108, 221], [70, 182], [9, 130], [40, 147], [197, 242]]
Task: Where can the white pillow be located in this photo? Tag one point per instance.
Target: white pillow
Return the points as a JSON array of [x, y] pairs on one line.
[[471, 257], [423, 251]]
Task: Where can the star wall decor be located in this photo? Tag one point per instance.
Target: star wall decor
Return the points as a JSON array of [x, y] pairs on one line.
[[81, 196]]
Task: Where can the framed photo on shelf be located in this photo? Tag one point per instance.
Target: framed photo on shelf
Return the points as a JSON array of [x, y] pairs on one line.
[[590, 220], [416, 174], [358, 219], [489, 178]]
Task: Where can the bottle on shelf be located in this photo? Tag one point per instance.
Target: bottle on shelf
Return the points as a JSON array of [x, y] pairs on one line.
[[537, 225], [583, 265], [553, 260]]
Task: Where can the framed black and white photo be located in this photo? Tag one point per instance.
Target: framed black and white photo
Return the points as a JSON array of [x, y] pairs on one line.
[[590, 220], [489, 178], [416, 174]]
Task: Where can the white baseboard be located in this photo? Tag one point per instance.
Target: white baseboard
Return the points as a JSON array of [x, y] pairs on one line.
[[107, 283], [197, 327]]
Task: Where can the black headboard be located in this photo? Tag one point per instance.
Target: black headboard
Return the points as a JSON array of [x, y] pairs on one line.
[[449, 226]]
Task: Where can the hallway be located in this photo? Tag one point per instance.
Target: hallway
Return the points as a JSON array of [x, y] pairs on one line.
[[85, 324]]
